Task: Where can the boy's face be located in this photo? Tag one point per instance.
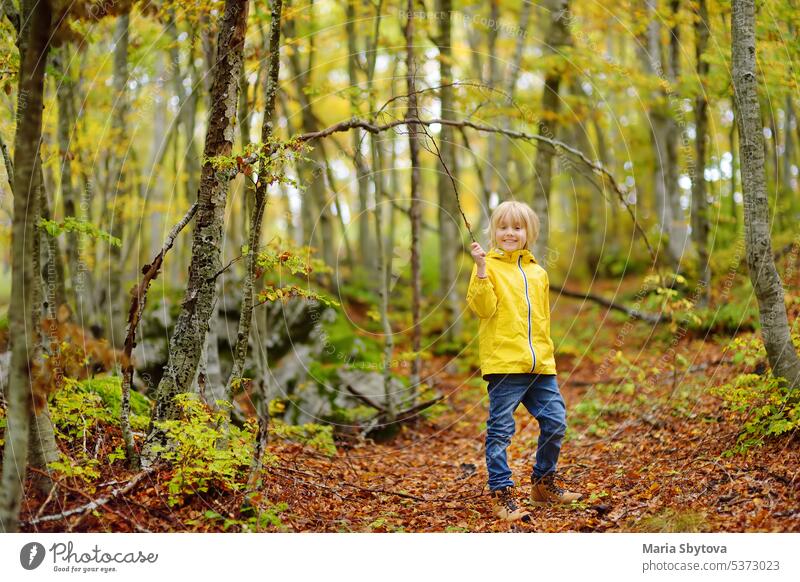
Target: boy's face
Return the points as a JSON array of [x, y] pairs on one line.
[[511, 236]]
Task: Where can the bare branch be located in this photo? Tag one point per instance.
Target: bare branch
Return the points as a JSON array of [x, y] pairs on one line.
[[138, 298], [596, 167], [633, 313], [94, 504]]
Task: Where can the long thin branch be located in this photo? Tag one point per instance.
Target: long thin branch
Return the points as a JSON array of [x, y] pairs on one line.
[[596, 167], [478, 166], [365, 399], [634, 313], [438, 154], [96, 503], [138, 298]]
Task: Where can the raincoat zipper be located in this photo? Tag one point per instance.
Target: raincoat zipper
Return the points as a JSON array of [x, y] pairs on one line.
[[528, 299]]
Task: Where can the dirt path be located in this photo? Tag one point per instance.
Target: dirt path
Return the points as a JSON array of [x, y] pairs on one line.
[[654, 469]]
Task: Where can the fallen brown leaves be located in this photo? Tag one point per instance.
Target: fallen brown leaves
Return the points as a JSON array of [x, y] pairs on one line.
[[650, 460]]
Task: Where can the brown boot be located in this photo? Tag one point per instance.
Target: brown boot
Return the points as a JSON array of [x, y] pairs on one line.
[[545, 491], [506, 507]]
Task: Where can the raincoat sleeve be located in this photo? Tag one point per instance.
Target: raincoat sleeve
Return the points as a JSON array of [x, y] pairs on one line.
[[481, 298]]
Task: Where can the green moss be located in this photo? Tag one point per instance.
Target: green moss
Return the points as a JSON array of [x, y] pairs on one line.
[[80, 406], [109, 388]]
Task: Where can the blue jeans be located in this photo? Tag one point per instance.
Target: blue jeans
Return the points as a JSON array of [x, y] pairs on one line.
[[540, 395]]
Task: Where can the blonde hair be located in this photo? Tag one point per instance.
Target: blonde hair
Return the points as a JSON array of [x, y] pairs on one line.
[[517, 213]]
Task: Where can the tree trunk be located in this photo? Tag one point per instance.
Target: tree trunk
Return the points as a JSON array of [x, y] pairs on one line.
[[557, 36], [23, 317], [65, 89], [734, 207], [448, 209], [415, 212], [362, 183], [789, 183], [511, 84], [665, 134], [44, 449], [248, 287], [48, 294], [495, 177], [766, 282], [383, 282], [679, 239], [320, 227], [119, 191], [191, 327], [700, 226]]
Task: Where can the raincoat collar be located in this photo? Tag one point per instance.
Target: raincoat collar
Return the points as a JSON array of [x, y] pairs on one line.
[[502, 255]]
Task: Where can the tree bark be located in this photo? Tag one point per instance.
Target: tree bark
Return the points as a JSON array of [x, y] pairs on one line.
[[191, 327], [735, 167], [119, 191], [365, 245], [700, 226], [679, 240], [248, 288], [23, 317], [664, 138], [767, 284], [315, 228], [448, 209], [383, 281], [78, 296], [415, 212], [511, 84], [558, 35]]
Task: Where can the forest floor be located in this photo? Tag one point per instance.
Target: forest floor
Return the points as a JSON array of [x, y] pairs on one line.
[[647, 449]]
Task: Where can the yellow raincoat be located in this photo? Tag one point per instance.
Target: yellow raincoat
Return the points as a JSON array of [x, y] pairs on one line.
[[513, 304]]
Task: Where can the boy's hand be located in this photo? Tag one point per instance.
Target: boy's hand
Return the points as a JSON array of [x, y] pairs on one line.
[[479, 255]]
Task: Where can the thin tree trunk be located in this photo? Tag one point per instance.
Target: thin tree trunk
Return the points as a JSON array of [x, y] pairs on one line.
[[52, 273], [331, 184], [23, 317], [766, 282], [663, 138], [558, 35], [448, 209], [191, 327], [700, 226], [495, 177], [248, 286], [383, 282], [49, 295], [789, 183], [365, 245], [511, 84], [679, 239], [320, 227], [415, 212], [734, 210], [119, 191], [152, 186]]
